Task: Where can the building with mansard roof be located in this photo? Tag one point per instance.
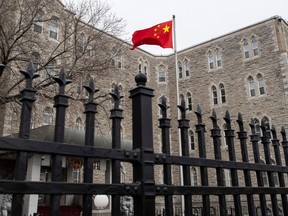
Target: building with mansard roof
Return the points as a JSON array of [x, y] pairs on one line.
[[242, 71]]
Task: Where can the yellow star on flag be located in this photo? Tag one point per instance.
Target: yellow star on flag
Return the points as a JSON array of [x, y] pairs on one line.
[[166, 29]]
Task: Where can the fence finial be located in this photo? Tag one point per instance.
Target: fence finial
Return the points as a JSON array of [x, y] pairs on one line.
[[29, 74], [62, 81], [141, 79], [91, 90], [116, 96]]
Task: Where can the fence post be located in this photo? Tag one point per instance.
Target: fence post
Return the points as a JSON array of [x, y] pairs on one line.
[[281, 177], [200, 130], [27, 99], [167, 177], [242, 136], [116, 116], [61, 103], [255, 139], [143, 170], [229, 136], [215, 134], [90, 111], [183, 126]]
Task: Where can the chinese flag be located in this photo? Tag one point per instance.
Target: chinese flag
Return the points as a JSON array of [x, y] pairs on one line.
[[160, 34]]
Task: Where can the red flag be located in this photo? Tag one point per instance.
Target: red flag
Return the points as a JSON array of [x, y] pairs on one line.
[[160, 34]]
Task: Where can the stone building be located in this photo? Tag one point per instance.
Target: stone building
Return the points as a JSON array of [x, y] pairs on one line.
[[243, 71]]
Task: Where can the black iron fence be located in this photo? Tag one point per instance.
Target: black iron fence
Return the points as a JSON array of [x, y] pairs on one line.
[[250, 197]]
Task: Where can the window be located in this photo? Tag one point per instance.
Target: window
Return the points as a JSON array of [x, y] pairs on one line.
[[37, 22], [180, 70], [35, 58], [251, 87], [81, 43], [145, 68], [218, 58], [222, 93], [214, 95], [264, 175], [89, 50], [191, 140], [193, 176], [189, 101], [246, 49], [261, 84], [51, 68], [255, 47], [224, 126], [181, 97], [140, 66], [161, 74], [116, 58], [161, 100], [257, 126], [47, 116], [77, 175], [187, 68], [227, 177], [53, 30], [78, 124], [79, 85], [210, 60]]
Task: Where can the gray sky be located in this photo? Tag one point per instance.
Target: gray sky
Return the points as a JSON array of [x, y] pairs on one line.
[[196, 21]]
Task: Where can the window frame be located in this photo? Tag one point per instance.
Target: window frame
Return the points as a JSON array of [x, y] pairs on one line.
[[214, 95], [161, 74], [210, 60], [252, 89], [54, 28], [218, 57]]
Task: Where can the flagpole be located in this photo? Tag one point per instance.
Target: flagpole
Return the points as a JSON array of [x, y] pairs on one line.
[[178, 111]]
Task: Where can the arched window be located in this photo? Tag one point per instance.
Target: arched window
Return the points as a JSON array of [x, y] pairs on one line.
[[180, 72], [251, 86], [51, 68], [47, 116], [187, 68], [257, 126], [255, 46], [246, 48], [265, 120], [214, 95], [145, 68], [78, 124], [116, 60], [161, 99], [140, 66], [81, 43], [35, 58], [53, 29], [189, 101], [181, 97], [210, 60], [38, 22], [191, 140], [161, 74], [261, 84], [264, 175], [218, 58], [194, 176], [223, 135], [222, 93]]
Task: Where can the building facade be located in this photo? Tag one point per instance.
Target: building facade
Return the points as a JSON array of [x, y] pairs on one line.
[[244, 72]]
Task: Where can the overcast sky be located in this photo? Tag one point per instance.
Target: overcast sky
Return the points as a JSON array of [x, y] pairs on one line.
[[196, 21]]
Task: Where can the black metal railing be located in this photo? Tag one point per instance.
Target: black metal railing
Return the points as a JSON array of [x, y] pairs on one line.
[[248, 195]]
